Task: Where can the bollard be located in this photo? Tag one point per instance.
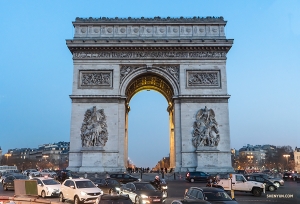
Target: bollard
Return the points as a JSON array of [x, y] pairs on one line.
[[85, 175], [96, 175], [174, 176]]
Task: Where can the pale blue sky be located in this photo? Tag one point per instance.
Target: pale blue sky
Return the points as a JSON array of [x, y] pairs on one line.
[[262, 69]]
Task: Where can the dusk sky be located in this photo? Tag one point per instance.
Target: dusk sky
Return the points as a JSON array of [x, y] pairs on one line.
[[263, 72]]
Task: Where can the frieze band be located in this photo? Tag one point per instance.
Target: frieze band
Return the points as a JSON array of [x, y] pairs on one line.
[[149, 55]]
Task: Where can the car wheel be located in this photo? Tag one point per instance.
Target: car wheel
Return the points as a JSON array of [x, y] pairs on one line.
[[192, 180], [61, 198], [43, 194], [76, 200], [271, 188], [257, 192], [137, 200], [277, 184]]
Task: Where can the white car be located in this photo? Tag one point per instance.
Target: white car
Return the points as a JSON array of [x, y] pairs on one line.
[[32, 172], [47, 187], [46, 172], [80, 190]]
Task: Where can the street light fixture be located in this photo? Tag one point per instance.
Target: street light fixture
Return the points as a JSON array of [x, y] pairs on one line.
[[7, 155]]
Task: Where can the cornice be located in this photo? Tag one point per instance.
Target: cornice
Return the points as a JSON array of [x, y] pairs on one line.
[[157, 19]]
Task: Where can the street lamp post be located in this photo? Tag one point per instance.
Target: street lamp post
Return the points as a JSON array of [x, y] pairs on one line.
[[287, 159]]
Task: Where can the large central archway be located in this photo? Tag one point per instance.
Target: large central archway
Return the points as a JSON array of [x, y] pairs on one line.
[[184, 59], [150, 78]]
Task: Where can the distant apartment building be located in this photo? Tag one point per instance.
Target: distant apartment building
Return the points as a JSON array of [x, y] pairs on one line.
[[297, 159], [255, 154]]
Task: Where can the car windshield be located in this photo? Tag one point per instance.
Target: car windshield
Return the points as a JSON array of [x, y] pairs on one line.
[[113, 182], [84, 184], [144, 186], [50, 182], [222, 196]]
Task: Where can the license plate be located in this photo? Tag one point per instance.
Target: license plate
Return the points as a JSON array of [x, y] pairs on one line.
[[156, 200]]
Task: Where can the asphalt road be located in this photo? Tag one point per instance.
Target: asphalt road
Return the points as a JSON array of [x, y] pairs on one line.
[[287, 194]]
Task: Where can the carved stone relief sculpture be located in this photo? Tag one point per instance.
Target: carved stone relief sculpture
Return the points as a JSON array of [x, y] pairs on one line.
[[94, 128], [95, 79], [203, 78], [206, 131]]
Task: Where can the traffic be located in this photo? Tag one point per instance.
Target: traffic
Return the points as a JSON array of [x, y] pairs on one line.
[[231, 188]]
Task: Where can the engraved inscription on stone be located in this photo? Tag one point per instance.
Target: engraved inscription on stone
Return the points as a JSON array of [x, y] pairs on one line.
[[94, 128], [206, 131], [203, 78], [95, 78]]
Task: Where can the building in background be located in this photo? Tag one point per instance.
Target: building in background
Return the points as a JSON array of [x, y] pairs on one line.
[[297, 159]]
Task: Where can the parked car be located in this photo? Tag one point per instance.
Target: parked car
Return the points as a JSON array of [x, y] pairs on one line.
[[277, 181], [269, 185], [79, 190], [47, 187], [115, 199], [124, 178], [142, 192], [210, 194], [8, 182], [196, 176], [108, 185]]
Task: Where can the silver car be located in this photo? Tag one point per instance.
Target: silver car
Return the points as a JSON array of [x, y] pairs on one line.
[[277, 181]]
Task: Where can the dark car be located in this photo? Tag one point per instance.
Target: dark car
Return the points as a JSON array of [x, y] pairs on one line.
[[108, 185], [270, 186], [189, 201], [115, 199], [196, 176], [62, 175], [142, 192], [289, 176], [8, 182], [210, 194], [124, 178]]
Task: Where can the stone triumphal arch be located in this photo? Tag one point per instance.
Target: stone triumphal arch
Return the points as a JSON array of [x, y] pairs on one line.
[[182, 58]]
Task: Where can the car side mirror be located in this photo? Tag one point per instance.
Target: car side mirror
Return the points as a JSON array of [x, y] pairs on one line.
[[72, 187]]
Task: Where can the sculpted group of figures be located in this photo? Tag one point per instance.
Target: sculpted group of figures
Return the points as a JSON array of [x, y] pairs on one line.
[[94, 128], [206, 132]]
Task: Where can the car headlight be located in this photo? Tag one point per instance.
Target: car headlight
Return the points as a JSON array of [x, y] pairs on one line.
[[118, 189], [144, 196], [83, 193], [165, 187]]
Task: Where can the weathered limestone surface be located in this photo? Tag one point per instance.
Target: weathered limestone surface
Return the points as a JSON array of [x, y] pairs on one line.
[[182, 58]]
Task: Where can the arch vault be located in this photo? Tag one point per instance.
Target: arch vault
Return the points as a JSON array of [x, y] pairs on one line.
[[182, 58]]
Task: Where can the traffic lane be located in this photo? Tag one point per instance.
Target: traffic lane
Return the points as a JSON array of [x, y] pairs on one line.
[[289, 193]]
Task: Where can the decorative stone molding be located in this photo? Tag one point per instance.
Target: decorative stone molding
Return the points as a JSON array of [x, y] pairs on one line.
[[206, 131], [149, 27], [95, 79], [203, 78], [94, 128], [149, 55]]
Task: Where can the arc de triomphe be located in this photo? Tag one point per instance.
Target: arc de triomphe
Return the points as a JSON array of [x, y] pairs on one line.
[[182, 58]]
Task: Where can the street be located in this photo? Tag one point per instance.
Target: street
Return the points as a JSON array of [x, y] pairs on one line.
[[287, 194]]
